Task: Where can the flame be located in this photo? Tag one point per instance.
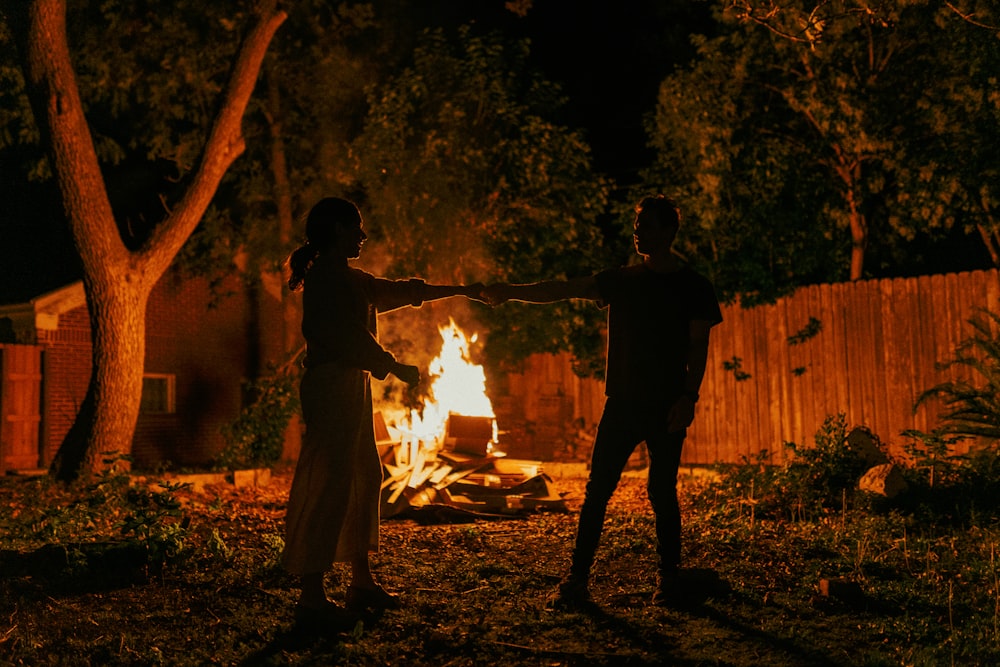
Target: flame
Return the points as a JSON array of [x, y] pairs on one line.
[[441, 453], [458, 387]]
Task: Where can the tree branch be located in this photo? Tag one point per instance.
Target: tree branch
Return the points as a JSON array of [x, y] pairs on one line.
[[968, 18], [224, 145]]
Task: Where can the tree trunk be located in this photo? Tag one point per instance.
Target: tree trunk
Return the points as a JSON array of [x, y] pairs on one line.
[[118, 281], [291, 304], [859, 240], [850, 173], [283, 201], [988, 232], [103, 428]]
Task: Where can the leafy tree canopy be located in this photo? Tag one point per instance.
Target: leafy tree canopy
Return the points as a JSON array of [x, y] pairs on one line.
[[818, 142]]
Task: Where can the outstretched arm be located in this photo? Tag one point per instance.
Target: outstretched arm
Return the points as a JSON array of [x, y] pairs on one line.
[[388, 295], [435, 292], [545, 291]]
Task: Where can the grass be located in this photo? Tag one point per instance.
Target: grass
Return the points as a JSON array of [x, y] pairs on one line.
[[198, 583]]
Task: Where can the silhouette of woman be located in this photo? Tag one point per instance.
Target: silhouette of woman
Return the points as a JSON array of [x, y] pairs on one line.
[[333, 505]]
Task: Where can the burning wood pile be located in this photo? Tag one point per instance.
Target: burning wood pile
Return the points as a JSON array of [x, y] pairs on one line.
[[443, 464]]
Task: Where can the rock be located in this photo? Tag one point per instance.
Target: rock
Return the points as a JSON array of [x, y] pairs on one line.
[[865, 445], [251, 477], [883, 480], [842, 589]]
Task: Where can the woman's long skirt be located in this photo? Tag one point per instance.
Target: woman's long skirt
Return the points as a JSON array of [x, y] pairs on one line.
[[333, 504]]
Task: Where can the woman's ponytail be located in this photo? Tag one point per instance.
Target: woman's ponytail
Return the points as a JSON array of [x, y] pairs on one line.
[[321, 224], [299, 263]]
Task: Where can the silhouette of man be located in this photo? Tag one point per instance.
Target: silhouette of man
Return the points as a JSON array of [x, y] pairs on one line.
[[660, 314]]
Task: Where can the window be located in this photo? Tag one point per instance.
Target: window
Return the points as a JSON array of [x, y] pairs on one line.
[[157, 394]]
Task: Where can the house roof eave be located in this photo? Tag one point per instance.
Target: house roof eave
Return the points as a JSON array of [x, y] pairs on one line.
[[61, 300], [42, 313]]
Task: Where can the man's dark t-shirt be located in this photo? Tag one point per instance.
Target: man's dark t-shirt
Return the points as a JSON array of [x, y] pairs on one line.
[[649, 316]]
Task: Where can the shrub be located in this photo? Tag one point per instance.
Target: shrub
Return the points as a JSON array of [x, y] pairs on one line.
[[150, 523], [973, 411], [948, 486], [823, 474], [255, 439]]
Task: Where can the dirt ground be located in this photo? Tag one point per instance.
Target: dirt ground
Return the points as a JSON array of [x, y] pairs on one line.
[[474, 593]]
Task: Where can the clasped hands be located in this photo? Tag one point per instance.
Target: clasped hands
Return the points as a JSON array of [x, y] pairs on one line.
[[492, 295]]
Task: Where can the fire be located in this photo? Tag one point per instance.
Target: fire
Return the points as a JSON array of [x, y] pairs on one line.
[[458, 388], [444, 454]]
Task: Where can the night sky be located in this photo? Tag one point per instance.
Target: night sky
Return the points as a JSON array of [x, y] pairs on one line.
[[609, 58], [611, 62]]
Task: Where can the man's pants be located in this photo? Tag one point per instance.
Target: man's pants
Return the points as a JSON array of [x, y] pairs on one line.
[[623, 426]]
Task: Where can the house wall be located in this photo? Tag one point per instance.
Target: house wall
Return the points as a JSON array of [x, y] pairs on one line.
[[206, 344], [65, 375], [210, 344]]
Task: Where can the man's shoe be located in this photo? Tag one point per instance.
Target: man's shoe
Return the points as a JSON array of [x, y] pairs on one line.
[[572, 593], [370, 599], [669, 592]]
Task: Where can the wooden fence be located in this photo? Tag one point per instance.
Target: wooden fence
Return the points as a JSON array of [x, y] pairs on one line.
[[866, 349]]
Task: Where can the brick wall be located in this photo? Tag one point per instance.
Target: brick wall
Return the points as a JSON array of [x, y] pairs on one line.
[[65, 374], [206, 344], [204, 341]]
